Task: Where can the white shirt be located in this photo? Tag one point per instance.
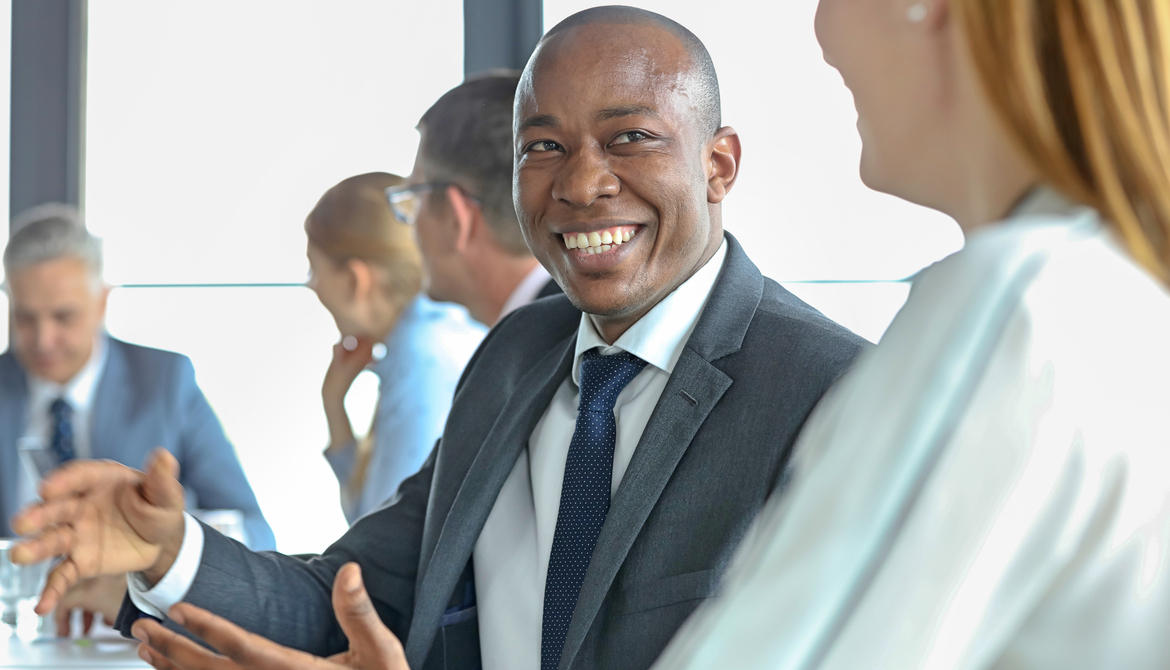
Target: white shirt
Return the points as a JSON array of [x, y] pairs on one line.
[[987, 489], [79, 394], [511, 554], [526, 291]]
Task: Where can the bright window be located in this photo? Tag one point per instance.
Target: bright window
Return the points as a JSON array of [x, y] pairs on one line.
[[212, 129], [799, 206]]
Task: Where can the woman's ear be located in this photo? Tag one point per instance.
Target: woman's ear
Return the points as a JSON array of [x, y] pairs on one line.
[[359, 280], [722, 163]]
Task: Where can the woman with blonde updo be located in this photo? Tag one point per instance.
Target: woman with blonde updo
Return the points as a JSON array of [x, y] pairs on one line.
[[366, 270], [990, 486]]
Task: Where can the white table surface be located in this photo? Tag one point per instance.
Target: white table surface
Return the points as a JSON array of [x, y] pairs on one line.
[[104, 652]]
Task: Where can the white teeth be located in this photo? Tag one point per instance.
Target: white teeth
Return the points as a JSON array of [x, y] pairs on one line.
[[598, 242]]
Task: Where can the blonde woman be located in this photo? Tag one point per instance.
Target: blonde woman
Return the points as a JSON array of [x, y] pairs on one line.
[[366, 270], [990, 487]]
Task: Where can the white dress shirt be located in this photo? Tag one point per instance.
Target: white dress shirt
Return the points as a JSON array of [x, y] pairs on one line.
[[987, 489], [526, 291], [511, 554], [79, 394]]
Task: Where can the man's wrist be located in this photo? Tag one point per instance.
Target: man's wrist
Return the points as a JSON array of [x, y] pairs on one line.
[[168, 553]]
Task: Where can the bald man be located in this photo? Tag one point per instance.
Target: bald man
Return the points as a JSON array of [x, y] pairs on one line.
[[597, 470]]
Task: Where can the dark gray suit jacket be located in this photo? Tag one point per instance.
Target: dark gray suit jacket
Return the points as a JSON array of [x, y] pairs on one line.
[[714, 449], [146, 398]]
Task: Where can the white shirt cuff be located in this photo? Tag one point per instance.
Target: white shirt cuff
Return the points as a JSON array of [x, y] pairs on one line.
[[173, 587]]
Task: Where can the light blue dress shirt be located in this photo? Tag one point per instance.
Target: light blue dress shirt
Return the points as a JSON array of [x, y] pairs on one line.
[[425, 356]]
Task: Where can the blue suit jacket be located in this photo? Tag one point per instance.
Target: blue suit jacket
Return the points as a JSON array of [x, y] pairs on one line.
[[146, 398]]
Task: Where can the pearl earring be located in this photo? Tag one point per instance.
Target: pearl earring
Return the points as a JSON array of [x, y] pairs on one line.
[[917, 12]]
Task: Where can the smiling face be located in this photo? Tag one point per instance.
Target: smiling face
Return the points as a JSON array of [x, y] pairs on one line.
[[610, 146]]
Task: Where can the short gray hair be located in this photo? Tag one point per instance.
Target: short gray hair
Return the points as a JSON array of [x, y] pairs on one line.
[[48, 232]]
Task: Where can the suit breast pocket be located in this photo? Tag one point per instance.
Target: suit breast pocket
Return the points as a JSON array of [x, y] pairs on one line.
[[687, 587]]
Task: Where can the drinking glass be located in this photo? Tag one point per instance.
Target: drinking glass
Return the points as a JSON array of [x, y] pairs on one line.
[[20, 587]]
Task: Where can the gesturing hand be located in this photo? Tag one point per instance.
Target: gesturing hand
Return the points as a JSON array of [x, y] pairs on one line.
[[103, 519], [371, 644], [97, 595]]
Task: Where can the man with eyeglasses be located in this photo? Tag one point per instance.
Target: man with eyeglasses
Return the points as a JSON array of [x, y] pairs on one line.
[[459, 199], [604, 455]]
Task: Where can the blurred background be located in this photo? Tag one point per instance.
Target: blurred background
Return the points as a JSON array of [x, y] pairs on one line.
[[196, 136]]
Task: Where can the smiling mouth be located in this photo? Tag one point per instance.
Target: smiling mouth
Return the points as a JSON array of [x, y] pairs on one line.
[[600, 241]]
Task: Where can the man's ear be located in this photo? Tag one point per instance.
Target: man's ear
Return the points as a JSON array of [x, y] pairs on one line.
[[722, 163], [468, 216], [103, 300], [359, 278]]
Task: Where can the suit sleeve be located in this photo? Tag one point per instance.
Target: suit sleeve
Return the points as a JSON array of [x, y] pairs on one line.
[[289, 600], [208, 464]]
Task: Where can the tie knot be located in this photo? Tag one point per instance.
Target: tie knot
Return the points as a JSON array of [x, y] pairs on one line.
[[604, 377], [61, 409]]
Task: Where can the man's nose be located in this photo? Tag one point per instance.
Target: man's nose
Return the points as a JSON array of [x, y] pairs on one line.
[[45, 336], [585, 178]]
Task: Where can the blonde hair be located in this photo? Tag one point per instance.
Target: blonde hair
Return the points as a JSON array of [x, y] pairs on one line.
[[1084, 88], [354, 220]]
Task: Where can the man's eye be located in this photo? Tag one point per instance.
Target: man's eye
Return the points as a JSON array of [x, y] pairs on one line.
[[630, 136], [543, 145]]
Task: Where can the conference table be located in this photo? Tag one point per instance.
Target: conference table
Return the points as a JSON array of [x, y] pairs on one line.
[[104, 651]]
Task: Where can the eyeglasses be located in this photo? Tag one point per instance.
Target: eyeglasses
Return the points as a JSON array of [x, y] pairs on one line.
[[406, 201]]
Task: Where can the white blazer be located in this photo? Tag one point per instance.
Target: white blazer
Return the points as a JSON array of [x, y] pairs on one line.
[[989, 487]]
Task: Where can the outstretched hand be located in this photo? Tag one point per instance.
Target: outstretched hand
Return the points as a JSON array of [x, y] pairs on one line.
[[103, 518], [371, 644]]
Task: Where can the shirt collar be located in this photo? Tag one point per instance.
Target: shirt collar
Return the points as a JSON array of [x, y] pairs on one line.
[[80, 390], [526, 291], [659, 337]]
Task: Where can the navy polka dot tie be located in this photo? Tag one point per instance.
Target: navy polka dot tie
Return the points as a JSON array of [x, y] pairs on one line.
[[62, 444], [584, 493]]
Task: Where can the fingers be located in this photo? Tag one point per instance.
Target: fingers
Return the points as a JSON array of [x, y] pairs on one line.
[[78, 477], [61, 617], [155, 659], [161, 486], [35, 518], [56, 541], [60, 580], [369, 639], [166, 649], [86, 622]]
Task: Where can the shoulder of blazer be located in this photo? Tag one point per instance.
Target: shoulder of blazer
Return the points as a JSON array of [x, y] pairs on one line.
[[12, 378], [152, 373], [524, 336]]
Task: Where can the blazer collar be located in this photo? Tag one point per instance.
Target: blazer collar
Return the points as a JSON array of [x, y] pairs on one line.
[[477, 495], [693, 390], [111, 395]]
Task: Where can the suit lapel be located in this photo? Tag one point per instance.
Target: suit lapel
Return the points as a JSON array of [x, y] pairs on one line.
[[108, 404], [13, 411], [481, 485], [693, 390]]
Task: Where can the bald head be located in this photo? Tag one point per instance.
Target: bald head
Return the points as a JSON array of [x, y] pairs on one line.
[[703, 87], [621, 161]]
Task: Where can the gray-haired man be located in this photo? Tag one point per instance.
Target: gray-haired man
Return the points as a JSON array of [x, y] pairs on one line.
[[83, 394]]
